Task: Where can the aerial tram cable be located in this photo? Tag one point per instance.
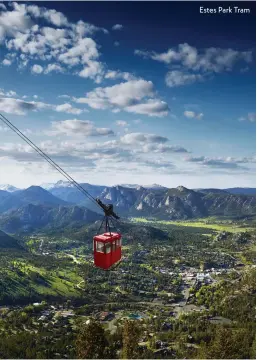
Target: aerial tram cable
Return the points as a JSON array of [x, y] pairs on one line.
[[46, 157], [107, 247]]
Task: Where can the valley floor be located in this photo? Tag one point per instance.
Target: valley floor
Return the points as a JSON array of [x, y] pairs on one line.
[[171, 286]]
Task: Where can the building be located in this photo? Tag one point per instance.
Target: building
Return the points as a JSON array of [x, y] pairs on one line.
[[105, 316]]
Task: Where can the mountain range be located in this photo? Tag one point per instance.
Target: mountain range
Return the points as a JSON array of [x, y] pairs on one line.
[[63, 205], [66, 184], [32, 195], [34, 217]]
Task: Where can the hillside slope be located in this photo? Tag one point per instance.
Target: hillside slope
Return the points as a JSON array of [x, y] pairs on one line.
[[32, 217], [8, 242]]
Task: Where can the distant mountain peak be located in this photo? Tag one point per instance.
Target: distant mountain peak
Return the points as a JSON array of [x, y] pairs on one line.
[[35, 188], [9, 188], [137, 186], [63, 183], [182, 188]]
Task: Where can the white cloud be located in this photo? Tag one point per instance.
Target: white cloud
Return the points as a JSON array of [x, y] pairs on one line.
[[121, 123], [19, 107], [6, 62], [223, 162], [52, 16], [113, 75], [151, 108], [37, 69], [12, 22], [193, 115], [54, 68], [131, 96], [82, 29], [9, 93], [78, 128], [141, 138], [117, 27], [116, 43], [178, 78], [94, 70], [69, 45], [210, 59], [67, 108], [195, 65], [163, 148]]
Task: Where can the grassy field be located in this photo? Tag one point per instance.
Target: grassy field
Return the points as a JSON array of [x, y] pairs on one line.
[[24, 278], [208, 223]]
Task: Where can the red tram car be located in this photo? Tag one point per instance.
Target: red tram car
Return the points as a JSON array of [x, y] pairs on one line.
[[107, 250]]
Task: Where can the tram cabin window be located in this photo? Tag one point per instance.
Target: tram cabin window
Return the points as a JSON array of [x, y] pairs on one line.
[[107, 248], [100, 247]]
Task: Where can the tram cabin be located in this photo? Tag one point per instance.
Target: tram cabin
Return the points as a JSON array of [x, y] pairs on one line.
[[107, 250]]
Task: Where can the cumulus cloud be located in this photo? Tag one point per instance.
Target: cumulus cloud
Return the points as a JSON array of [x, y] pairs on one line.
[[19, 107], [222, 162], [69, 44], [122, 123], [68, 108], [7, 62], [151, 108], [193, 115], [113, 75], [141, 138], [179, 78], [9, 93], [135, 96], [37, 69], [117, 27], [10, 105], [54, 68], [77, 127], [163, 148], [210, 59], [59, 152], [196, 64], [126, 152], [13, 21]]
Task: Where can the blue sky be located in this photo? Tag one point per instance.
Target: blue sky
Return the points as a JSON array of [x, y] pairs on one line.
[[129, 93]]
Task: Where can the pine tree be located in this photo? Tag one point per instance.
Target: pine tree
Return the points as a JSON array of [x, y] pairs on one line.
[[130, 338], [91, 342]]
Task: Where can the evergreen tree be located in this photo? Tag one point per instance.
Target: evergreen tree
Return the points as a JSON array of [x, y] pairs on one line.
[[130, 339], [91, 342]]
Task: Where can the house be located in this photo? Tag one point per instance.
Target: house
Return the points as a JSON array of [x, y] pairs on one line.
[[200, 276], [106, 316], [67, 313]]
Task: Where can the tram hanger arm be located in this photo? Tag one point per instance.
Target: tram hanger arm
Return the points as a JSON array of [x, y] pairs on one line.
[[108, 209]]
